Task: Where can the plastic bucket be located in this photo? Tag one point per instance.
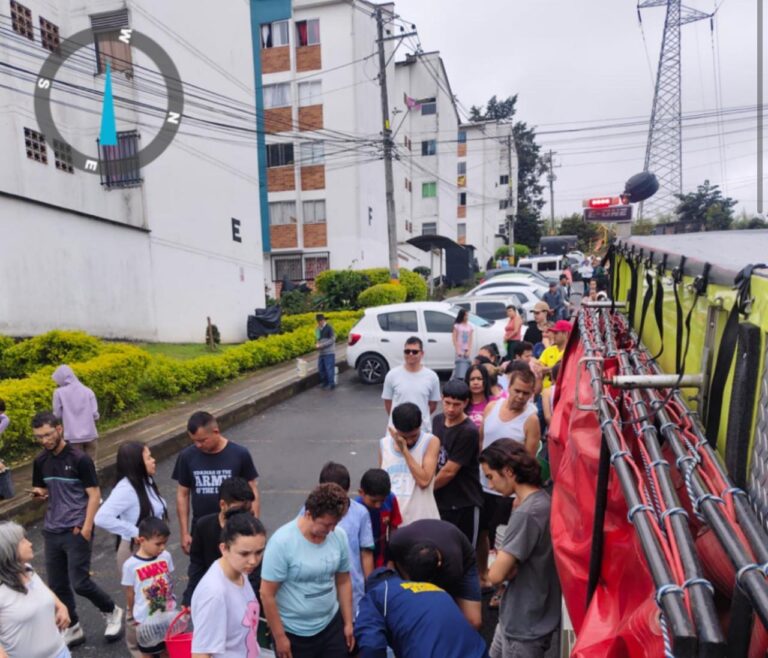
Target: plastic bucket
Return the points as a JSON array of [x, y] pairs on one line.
[[178, 637]]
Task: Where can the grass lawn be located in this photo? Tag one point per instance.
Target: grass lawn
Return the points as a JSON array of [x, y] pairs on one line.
[[182, 351]]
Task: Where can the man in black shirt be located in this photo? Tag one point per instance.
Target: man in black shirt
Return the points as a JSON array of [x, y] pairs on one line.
[[202, 467], [235, 495], [437, 552], [457, 484], [66, 478]]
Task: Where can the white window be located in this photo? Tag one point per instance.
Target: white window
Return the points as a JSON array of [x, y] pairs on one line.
[[504, 179], [314, 212], [308, 32], [282, 212], [274, 34], [429, 228], [428, 106], [310, 93], [461, 168], [312, 153], [461, 231], [277, 95]]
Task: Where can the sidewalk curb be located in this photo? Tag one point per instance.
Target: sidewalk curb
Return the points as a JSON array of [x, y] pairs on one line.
[[24, 510]]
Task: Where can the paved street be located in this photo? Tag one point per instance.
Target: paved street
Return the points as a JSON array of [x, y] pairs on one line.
[[289, 444]]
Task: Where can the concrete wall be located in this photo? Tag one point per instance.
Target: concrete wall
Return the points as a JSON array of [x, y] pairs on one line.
[[113, 281]]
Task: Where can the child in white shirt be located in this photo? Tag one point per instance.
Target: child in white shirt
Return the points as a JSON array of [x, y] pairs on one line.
[[148, 587]]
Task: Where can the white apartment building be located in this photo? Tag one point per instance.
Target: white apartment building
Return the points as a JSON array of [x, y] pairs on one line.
[[426, 124], [142, 251], [488, 176], [323, 205]]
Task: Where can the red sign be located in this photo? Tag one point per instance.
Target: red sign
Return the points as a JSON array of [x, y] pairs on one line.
[[601, 202]]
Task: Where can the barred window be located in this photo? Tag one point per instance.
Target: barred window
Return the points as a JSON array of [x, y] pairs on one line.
[[49, 35], [34, 142], [62, 153], [21, 20], [120, 163]]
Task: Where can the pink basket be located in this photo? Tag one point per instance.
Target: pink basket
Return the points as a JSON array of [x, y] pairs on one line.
[[178, 638]]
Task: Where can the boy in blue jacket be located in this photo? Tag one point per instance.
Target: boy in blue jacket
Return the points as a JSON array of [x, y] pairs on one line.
[[418, 620]]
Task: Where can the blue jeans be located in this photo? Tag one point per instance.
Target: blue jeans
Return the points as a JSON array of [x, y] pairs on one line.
[[326, 367]]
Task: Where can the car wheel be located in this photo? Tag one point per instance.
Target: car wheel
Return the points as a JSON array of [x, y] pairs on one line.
[[371, 368]]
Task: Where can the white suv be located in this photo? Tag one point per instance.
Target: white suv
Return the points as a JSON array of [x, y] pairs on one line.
[[376, 342]]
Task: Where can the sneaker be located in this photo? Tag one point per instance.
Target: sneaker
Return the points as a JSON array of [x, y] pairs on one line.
[[114, 621], [73, 636]]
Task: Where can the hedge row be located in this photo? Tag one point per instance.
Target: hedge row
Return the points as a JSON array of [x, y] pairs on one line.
[[123, 376], [293, 322], [381, 294]]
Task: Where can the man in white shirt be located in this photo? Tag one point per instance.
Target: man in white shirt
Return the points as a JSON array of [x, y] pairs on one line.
[[412, 382]]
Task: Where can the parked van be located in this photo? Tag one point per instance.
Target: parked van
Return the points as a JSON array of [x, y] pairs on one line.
[[550, 266]]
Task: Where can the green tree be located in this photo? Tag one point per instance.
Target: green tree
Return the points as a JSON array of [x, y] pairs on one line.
[[706, 206], [530, 167], [587, 232], [527, 229]]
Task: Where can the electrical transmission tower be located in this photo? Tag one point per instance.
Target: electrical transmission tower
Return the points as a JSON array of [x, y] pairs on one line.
[[664, 151]]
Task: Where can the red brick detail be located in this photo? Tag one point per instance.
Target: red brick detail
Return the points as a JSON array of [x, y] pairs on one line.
[[311, 117], [315, 235], [462, 150], [308, 58], [281, 179], [274, 60], [284, 236], [277, 120], [461, 212], [313, 177]]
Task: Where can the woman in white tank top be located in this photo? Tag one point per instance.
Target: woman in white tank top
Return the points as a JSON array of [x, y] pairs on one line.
[[415, 502]]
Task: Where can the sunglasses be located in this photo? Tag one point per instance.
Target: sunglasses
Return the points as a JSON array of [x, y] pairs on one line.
[[409, 352]]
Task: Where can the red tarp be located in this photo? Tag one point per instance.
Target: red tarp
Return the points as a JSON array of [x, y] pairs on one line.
[[622, 619]]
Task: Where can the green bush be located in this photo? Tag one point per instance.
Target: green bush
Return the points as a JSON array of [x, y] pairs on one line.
[[381, 294], [415, 286], [296, 301], [49, 349], [521, 251], [122, 376], [502, 252], [340, 288]]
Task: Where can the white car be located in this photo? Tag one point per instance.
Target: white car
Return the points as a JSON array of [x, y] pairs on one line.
[[480, 304], [508, 283], [376, 342]]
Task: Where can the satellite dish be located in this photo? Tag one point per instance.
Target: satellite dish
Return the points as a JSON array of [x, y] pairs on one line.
[[640, 187]]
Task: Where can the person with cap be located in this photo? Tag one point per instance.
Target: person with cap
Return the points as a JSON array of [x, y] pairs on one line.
[[536, 329], [556, 301], [552, 355], [325, 342], [415, 619]]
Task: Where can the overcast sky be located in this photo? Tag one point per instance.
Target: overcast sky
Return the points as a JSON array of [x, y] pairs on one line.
[[576, 63]]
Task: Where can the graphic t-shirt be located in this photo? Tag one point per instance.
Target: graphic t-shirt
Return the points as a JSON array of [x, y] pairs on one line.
[[384, 521], [203, 473], [549, 357], [306, 572], [151, 582], [460, 444], [225, 617]]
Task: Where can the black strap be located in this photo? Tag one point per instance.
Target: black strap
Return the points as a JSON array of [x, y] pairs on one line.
[[726, 352], [632, 296], [658, 305], [648, 294], [677, 279]]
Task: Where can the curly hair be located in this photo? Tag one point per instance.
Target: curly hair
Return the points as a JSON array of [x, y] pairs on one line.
[[508, 453], [327, 499]]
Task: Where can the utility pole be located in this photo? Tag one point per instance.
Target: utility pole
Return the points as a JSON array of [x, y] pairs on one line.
[[551, 178], [510, 198], [387, 139]]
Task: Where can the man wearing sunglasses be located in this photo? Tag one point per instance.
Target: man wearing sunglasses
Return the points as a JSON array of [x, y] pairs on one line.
[[412, 382]]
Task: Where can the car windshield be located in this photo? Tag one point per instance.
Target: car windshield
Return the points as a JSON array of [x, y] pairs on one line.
[[473, 319]]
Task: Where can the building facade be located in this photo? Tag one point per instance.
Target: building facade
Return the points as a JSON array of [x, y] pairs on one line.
[[488, 175], [322, 196], [135, 250]]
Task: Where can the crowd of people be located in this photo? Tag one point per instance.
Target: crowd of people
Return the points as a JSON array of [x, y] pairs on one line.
[[457, 506]]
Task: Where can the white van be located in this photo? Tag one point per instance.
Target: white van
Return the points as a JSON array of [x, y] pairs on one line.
[[550, 266]]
